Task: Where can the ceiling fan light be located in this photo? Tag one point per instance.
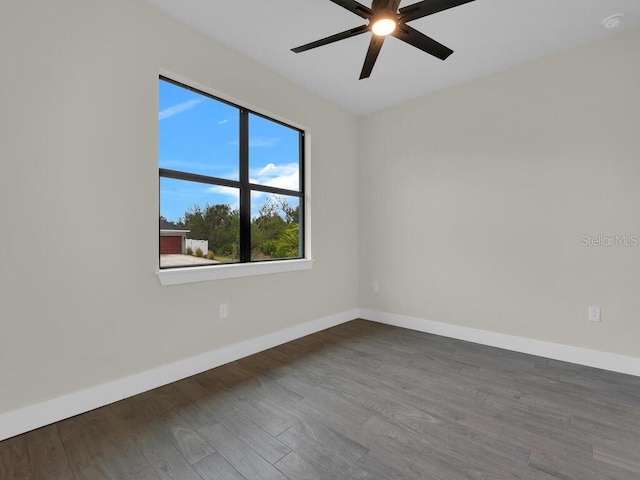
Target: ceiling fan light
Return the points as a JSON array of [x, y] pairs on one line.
[[384, 26]]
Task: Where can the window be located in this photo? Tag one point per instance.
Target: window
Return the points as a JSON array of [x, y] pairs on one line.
[[231, 182]]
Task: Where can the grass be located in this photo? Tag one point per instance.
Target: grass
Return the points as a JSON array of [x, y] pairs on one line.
[[222, 259]]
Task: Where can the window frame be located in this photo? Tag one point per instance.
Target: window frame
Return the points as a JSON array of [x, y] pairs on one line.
[[245, 266]]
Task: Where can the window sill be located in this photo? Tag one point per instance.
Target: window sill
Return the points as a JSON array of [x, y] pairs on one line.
[[179, 276]]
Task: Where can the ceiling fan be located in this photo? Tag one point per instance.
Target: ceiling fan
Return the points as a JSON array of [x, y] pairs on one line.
[[385, 19]]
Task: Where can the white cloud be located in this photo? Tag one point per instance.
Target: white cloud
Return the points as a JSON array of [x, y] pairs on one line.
[[222, 122], [279, 176], [233, 194], [270, 167], [222, 190], [176, 109]]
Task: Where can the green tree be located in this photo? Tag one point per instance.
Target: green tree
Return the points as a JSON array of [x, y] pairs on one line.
[[288, 245], [194, 222], [291, 214], [275, 231], [266, 228], [218, 224]]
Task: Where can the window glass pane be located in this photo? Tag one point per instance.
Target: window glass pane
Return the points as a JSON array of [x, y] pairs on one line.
[[197, 134], [198, 216], [275, 226], [274, 154]]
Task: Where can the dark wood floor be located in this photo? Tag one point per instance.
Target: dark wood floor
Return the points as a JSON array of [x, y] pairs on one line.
[[359, 401]]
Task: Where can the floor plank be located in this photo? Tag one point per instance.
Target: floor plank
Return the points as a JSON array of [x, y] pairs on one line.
[[14, 459], [47, 457], [239, 455], [215, 467], [146, 474]]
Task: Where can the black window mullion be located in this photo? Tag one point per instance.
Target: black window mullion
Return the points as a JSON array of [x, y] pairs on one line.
[[197, 178], [301, 186], [275, 190], [245, 190]]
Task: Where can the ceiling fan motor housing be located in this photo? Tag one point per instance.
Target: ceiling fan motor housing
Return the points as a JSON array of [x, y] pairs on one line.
[[383, 5]]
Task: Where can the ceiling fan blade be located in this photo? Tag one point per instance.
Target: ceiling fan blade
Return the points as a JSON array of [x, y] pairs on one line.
[[427, 7], [372, 55], [394, 5], [333, 38], [421, 41], [355, 7]]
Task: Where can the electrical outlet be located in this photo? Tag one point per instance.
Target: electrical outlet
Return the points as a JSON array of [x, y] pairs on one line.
[[594, 314], [223, 311], [376, 286]]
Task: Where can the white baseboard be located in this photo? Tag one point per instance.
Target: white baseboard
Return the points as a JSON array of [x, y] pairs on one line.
[[556, 351], [41, 414]]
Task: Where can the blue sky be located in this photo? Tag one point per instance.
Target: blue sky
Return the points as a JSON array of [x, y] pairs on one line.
[[200, 135]]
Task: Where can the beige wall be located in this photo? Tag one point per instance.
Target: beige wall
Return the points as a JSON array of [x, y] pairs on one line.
[[474, 201], [78, 146]]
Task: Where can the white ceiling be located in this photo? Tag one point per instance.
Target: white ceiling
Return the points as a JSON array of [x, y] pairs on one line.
[[486, 35]]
